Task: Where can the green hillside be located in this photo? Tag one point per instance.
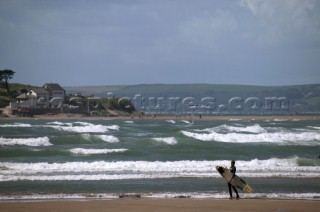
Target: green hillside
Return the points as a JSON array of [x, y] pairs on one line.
[[302, 98], [192, 89], [15, 90], [299, 98]]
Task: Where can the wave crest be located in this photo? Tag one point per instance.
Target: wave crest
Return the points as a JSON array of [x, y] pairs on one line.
[[82, 127], [41, 141], [167, 140], [98, 170], [108, 138], [81, 151]]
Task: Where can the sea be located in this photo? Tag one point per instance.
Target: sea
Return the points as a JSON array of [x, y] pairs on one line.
[[156, 158]]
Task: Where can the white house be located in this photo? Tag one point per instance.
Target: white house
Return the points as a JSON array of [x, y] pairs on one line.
[[41, 95], [24, 100]]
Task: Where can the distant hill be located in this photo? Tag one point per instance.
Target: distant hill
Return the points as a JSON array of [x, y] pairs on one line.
[[213, 98]]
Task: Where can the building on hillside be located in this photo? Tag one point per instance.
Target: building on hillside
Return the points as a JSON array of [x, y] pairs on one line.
[[34, 98], [37, 101], [24, 100], [54, 90], [41, 95]]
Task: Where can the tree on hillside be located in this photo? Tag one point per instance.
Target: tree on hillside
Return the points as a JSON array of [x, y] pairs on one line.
[[5, 75]]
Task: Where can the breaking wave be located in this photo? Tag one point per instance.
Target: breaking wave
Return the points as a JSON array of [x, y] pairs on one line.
[[41, 141], [314, 127], [82, 127], [81, 151], [256, 134], [108, 138], [167, 140], [16, 125], [162, 195], [102, 170], [306, 138], [171, 121], [250, 129]]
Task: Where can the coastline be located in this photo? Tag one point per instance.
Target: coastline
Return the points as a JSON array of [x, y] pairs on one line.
[[167, 205], [164, 117]]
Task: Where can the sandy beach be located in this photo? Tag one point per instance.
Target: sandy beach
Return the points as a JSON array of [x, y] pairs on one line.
[[182, 205]]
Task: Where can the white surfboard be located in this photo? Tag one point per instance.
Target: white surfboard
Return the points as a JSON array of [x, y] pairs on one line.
[[236, 181]]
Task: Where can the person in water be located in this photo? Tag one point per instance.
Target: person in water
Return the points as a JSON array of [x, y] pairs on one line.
[[233, 170]]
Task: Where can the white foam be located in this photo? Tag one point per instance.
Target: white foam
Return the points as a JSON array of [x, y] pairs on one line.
[[129, 122], [280, 120], [284, 138], [16, 125], [251, 129], [171, 121], [185, 121], [41, 141], [56, 123], [225, 195], [83, 127], [122, 167], [102, 170], [161, 195], [314, 127], [108, 138], [113, 127], [81, 151], [167, 140], [82, 123]]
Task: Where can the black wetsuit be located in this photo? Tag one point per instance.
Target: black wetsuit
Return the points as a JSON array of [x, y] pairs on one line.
[[233, 170]]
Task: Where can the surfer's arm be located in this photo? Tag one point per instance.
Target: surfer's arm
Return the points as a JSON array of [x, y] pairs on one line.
[[233, 171], [231, 178]]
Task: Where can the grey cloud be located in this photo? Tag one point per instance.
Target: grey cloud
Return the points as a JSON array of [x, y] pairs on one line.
[[147, 41]]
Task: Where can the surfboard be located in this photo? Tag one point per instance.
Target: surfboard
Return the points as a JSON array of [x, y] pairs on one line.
[[236, 181]]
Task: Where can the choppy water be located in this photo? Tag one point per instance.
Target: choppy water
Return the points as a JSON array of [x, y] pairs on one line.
[[43, 159]]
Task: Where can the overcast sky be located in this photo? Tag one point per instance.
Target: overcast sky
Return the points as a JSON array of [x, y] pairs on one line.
[[116, 42]]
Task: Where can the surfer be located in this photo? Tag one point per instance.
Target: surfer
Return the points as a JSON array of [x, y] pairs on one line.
[[233, 170]]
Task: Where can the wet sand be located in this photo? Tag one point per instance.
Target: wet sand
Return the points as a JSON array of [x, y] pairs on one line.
[[167, 205]]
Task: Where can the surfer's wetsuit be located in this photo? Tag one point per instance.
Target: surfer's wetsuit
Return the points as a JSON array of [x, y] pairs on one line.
[[233, 170]]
